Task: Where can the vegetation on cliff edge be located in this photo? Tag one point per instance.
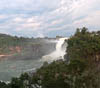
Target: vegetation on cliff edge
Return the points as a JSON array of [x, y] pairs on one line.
[[80, 69]]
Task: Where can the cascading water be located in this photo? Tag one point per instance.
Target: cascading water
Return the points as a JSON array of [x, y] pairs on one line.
[[58, 53]]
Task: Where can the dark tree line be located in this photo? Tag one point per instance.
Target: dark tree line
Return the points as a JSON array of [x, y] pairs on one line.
[[82, 70]]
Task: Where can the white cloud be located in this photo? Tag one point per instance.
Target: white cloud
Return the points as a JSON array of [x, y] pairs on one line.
[[84, 7], [44, 16], [18, 19], [92, 19], [41, 35], [2, 17]]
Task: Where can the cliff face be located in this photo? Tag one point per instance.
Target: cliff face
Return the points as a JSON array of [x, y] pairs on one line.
[[16, 49], [39, 50], [23, 48], [29, 51]]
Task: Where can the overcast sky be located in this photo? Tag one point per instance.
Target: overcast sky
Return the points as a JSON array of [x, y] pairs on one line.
[[39, 18]]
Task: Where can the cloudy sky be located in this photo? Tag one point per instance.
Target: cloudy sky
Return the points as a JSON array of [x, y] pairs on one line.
[[41, 18]]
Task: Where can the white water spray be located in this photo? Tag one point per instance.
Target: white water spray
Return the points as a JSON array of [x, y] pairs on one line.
[[58, 53]]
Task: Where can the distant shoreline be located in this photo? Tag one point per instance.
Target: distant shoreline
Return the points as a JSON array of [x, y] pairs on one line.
[[4, 55]]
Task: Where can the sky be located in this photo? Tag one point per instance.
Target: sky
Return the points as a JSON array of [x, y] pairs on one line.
[[40, 18]]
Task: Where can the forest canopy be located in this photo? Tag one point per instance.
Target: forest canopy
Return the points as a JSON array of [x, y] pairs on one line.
[[79, 69]]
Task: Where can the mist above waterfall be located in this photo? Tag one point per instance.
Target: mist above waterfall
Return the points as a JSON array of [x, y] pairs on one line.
[[58, 53], [33, 55]]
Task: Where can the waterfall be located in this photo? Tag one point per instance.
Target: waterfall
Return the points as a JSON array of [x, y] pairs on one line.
[[58, 53]]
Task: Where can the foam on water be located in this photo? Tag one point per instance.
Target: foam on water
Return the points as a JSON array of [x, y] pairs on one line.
[[13, 68], [58, 53]]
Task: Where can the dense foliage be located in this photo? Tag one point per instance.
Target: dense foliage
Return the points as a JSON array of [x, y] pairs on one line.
[[84, 45], [23, 48], [7, 43], [82, 70]]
